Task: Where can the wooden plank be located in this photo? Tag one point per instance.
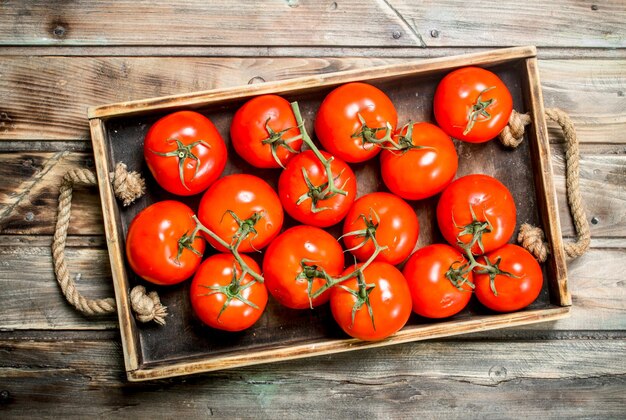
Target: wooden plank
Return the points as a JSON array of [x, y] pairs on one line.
[[29, 194], [28, 197], [398, 23], [308, 84], [544, 185], [310, 51], [576, 88], [45, 98], [115, 238], [449, 378], [33, 300], [603, 189]]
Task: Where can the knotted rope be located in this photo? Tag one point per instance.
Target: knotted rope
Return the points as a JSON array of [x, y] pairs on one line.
[[532, 238], [128, 186]]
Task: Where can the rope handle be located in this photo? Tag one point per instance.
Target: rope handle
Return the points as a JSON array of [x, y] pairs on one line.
[[127, 186], [530, 237]]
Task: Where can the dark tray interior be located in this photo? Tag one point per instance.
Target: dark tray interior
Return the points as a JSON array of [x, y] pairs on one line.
[[185, 337]]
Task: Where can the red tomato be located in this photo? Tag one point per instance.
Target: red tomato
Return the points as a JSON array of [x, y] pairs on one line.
[[221, 299], [477, 202], [341, 131], [472, 104], [513, 292], [389, 219], [261, 129], [184, 152], [425, 167], [235, 199], [285, 261], [292, 187], [434, 295], [158, 247], [389, 300]]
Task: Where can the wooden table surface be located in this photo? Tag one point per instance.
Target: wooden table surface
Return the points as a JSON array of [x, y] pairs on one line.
[[58, 58]]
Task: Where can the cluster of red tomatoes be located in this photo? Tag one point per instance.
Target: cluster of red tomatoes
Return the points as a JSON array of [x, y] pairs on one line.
[[304, 266]]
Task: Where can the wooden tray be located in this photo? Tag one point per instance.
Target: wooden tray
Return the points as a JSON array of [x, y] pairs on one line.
[[185, 346]]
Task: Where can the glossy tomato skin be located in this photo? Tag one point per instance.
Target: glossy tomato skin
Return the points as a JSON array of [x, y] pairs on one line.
[[434, 295], [244, 195], [457, 93], [248, 130], [422, 172], [490, 200], [152, 243], [291, 186], [514, 293], [390, 300], [398, 229], [282, 265], [187, 127], [217, 270], [337, 120]]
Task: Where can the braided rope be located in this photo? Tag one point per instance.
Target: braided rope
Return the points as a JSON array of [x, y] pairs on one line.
[[147, 307], [532, 238]]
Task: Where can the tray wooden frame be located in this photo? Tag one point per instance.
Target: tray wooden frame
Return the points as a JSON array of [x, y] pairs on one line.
[[546, 201]]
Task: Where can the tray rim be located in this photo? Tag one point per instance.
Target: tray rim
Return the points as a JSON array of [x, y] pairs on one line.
[[194, 99], [138, 371]]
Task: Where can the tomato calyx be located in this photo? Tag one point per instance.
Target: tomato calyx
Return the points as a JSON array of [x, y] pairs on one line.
[[404, 143], [310, 272], [362, 297], [477, 228], [275, 140], [183, 152], [245, 228], [479, 108], [232, 290], [493, 269], [458, 276], [186, 242], [332, 281], [326, 190], [369, 136], [320, 192], [368, 233]]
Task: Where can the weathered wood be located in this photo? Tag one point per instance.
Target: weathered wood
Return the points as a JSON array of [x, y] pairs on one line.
[[118, 132], [27, 189], [30, 296], [310, 84], [29, 194], [547, 205], [32, 299], [450, 379], [603, 189], [312, 51], [47, 97], [115, 240], [397, 23]]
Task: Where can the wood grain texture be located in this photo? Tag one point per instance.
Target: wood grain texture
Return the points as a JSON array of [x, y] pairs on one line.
[[541, 161], [603, 188], [436, 379], [32, 299], [46, 98], [30, 296], [397, 23], [29, 194], [56, 59]]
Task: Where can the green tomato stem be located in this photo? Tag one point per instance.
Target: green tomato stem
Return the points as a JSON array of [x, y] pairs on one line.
[[232, 248]]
